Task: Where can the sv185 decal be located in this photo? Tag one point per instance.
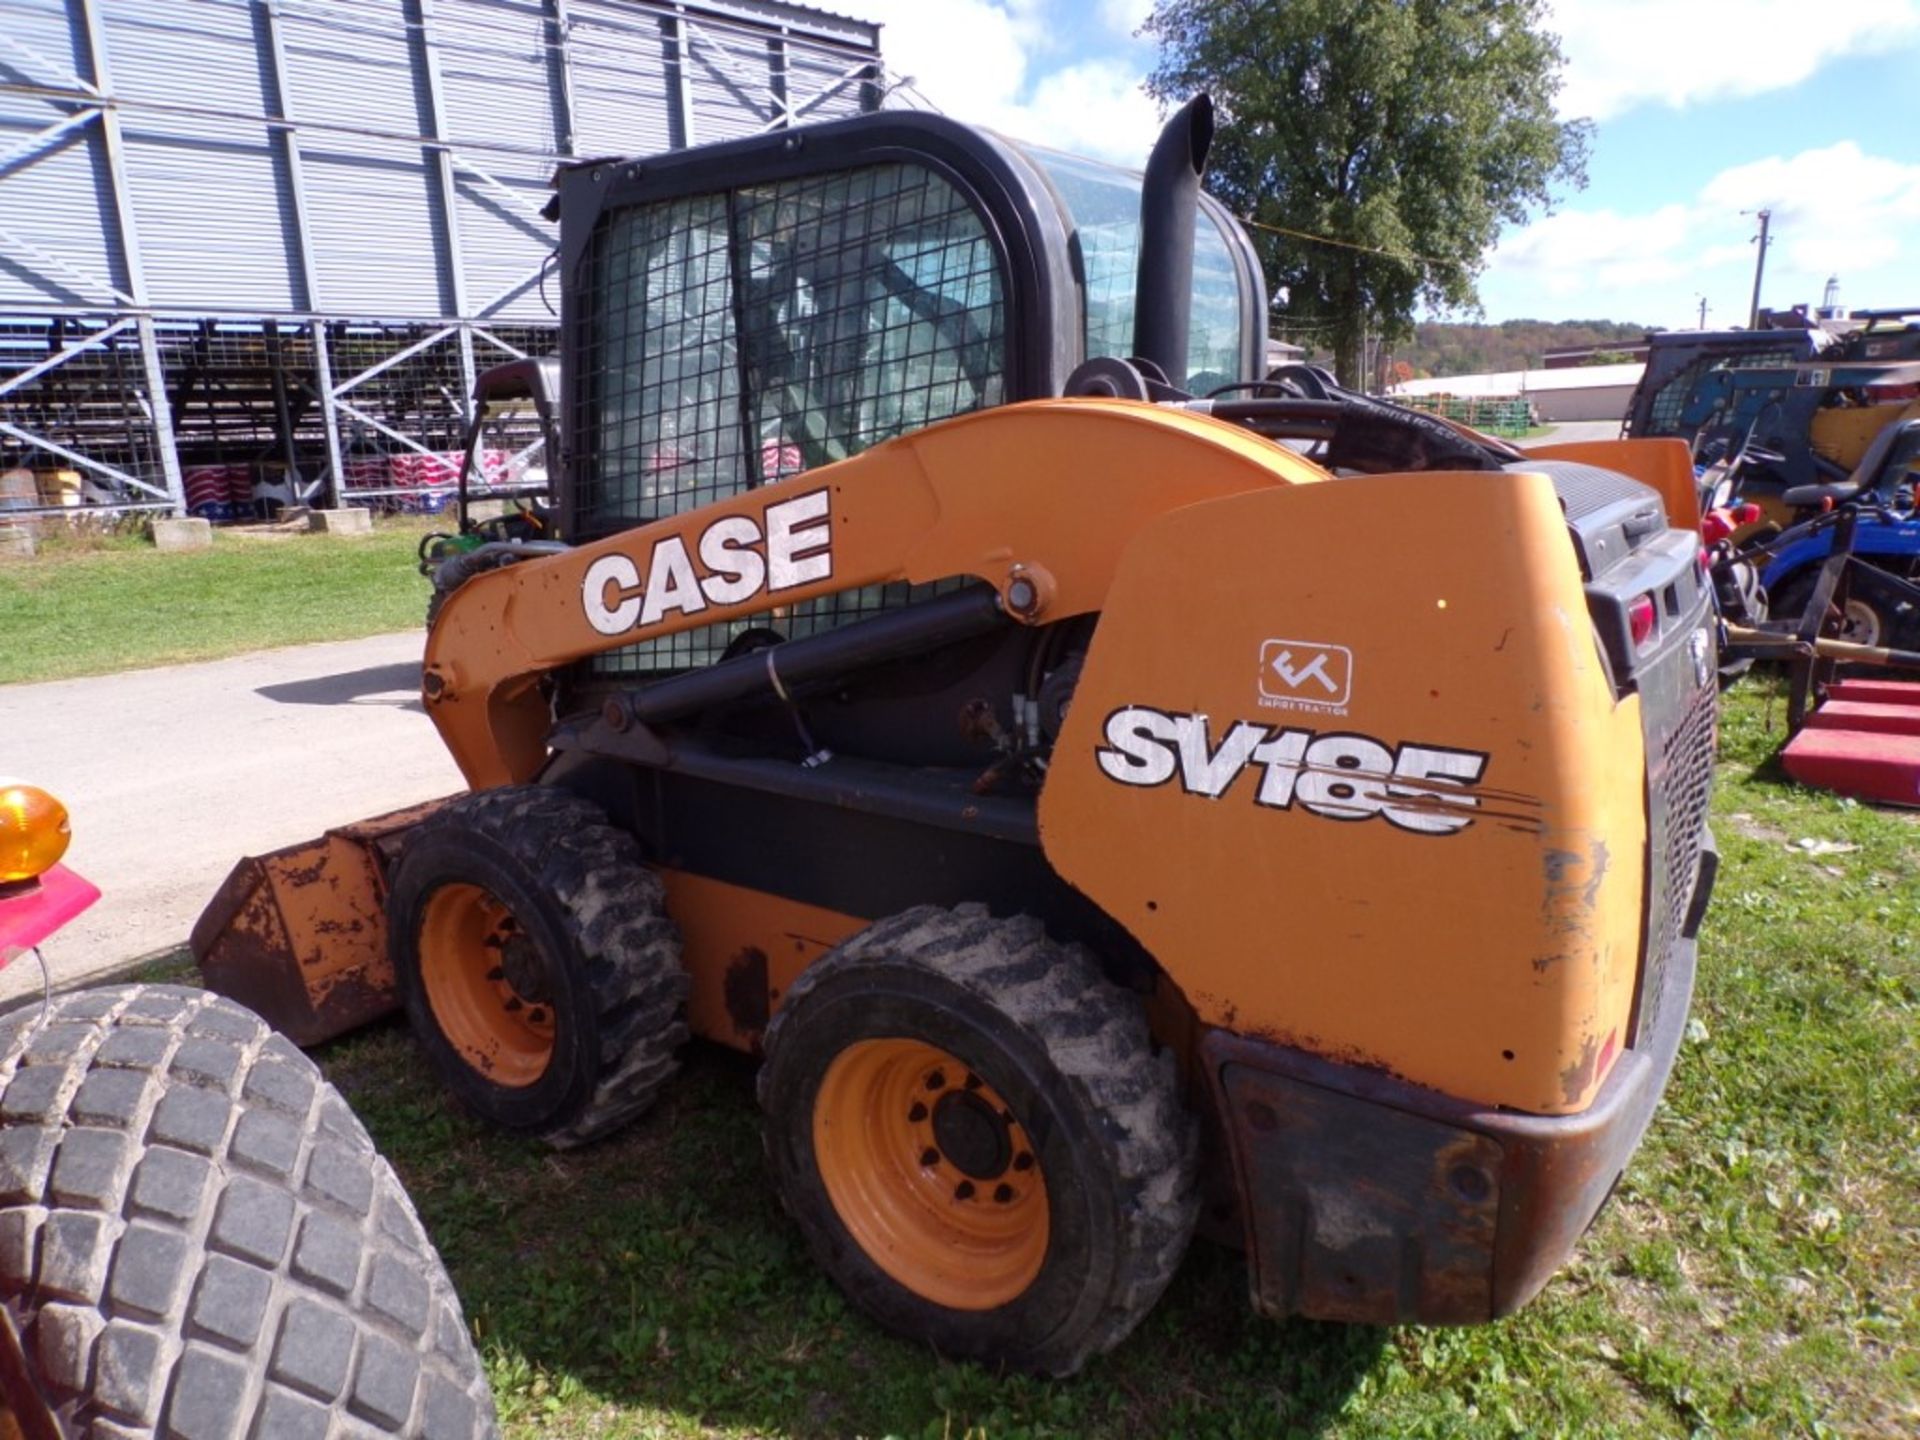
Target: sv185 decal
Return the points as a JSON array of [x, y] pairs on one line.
[[1338, 775], [742, 561]]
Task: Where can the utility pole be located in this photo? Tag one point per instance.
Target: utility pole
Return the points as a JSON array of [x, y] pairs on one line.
[[1759, 269], [1703, 313]]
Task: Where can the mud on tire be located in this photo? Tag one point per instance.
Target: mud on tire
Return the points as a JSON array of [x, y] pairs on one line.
[[579, 889], [1038, 1025], [198, 1237]]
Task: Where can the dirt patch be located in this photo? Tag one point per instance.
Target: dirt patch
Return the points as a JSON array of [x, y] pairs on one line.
[[1742, 823]]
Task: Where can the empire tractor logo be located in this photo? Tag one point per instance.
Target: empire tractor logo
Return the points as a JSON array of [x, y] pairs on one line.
[[1305, 675]]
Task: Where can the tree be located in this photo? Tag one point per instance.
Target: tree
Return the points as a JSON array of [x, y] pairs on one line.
[[1404, 132]]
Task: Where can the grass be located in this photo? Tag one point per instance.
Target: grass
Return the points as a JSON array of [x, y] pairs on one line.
[[1756, 1275], [94, 604]]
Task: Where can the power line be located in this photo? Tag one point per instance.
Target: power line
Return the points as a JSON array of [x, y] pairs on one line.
[[1406, 257]]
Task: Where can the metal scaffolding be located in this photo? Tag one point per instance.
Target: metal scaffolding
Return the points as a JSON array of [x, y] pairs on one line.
[[253, 250]]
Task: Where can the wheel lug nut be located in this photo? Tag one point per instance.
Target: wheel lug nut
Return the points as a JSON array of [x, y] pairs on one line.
[[964, 1190], [497, 973], [937, 1080], [513, 1004], [917, 1113], [973, 1081], [1023, 1161], [537, 1015], [1002, 1194], [929, 1157]]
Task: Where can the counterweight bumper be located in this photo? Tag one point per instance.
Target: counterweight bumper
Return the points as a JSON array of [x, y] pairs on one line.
[[1370, 1200]]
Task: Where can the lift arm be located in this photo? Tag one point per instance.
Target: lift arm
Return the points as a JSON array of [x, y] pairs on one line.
[[1039, 500]]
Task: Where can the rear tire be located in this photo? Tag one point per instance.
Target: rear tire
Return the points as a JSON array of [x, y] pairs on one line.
[[197, 1236], [538, 966], [1863, 624], [969, 1124]]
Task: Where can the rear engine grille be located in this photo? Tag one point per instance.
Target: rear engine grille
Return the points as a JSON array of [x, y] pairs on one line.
[[1584, 489], [1677, 820]]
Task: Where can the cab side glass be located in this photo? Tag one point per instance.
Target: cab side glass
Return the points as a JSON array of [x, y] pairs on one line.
[[1103, 211]]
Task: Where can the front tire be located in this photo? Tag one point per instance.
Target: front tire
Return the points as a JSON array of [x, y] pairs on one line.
[[971, 1128], [197, 1237], [537, 963]]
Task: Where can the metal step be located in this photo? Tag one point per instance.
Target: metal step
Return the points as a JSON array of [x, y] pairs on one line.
[[1866, 764], [1877, 692], [1865, 715]]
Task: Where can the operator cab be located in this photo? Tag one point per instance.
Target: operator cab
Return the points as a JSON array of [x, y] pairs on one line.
[[847, 284], [752, 310]]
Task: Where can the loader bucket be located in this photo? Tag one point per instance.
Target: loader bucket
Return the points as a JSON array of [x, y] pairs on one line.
[[300, 936]]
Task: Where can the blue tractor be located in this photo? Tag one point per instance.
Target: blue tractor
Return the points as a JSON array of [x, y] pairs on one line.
[[1882, 604]]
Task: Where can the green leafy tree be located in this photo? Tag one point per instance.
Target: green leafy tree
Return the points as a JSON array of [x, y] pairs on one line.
[[1408, 131]]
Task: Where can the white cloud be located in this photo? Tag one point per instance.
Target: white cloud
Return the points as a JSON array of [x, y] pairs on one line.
[[1623, 53], [1836, 210], [1574, 250], [987, 62], [1835, 207], [1093, 108], [1123, 17]]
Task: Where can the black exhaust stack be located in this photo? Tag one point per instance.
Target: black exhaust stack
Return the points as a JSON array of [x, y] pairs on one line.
[[1169, 206]]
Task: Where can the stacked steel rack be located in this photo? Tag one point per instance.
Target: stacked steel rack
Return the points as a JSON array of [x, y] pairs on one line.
[[256, 250]]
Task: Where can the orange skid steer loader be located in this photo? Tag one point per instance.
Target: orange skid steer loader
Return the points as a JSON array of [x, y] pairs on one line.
[[1096, 775]]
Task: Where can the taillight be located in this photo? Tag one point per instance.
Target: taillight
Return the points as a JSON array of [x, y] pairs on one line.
[[1643, 621]]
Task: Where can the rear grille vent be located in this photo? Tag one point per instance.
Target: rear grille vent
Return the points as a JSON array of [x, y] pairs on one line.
[[1583, 489], [1677, 821]]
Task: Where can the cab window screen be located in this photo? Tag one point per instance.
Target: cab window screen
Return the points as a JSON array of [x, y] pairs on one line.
[[741, 337], [1665, 416]]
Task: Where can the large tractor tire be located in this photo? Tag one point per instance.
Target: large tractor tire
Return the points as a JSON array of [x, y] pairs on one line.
[[537, 963], [198, 1239], [973, 1131]]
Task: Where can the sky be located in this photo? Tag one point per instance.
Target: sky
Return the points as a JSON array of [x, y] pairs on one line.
[[1704, 111]]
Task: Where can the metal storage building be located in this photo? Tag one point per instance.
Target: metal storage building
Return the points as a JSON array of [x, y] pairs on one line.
[[261, 246]]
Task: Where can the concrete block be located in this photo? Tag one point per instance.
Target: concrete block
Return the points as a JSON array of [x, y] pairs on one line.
[[349, 520], [187, 533], [17, 543]]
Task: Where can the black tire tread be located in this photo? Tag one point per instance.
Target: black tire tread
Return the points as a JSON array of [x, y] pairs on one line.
[[616, 908], [1096, 1036], [299, 1221]]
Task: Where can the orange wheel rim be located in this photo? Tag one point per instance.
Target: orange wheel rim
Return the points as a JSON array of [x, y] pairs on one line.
[[487, 984], [931, 1172]]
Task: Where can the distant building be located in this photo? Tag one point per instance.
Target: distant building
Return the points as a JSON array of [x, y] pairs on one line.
[[1582, 392], [1578, 355], [1279, 353]]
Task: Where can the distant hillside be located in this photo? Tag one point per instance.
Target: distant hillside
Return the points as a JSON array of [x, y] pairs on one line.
[[1438, 350]]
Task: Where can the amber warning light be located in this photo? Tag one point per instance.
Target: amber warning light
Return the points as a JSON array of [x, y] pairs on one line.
[[34, 832]]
